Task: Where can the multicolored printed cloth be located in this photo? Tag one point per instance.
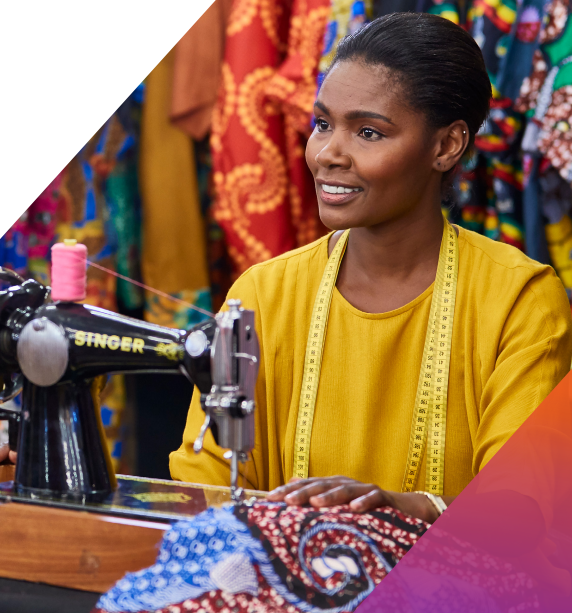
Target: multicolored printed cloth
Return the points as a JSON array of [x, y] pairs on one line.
[[346, 17], [25, 248], [268, 557], [546, 94]]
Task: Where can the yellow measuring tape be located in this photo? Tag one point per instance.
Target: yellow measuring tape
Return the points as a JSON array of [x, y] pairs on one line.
[[429, 415]]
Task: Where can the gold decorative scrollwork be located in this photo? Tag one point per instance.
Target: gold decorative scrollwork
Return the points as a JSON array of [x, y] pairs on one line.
[[166, 497], [171, 351]]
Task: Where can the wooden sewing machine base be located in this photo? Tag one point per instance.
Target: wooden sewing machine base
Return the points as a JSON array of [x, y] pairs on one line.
[[91, 547]]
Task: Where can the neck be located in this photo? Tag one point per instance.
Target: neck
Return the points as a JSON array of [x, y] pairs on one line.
[[388, 265], [398, 247]]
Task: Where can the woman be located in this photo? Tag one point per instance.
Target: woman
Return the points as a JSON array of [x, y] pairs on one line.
[[399, 107]]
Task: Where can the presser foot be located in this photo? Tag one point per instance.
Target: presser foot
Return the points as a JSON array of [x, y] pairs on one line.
[[236, 492]]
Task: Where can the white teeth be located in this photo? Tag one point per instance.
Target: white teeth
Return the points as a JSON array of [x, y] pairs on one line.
[[334, 189]]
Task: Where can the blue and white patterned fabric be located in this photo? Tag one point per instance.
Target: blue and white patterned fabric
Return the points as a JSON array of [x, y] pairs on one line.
[[210, 552]]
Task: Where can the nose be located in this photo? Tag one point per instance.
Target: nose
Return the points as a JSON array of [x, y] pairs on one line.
[[334, 154]]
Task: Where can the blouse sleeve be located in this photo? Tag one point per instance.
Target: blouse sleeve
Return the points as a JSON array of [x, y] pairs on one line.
[[209, 467], [534, 354]]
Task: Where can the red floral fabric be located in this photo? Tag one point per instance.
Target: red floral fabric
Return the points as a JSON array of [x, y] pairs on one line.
[[265, 196]]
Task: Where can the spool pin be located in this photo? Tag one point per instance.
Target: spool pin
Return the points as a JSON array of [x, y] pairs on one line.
[[69, 271]]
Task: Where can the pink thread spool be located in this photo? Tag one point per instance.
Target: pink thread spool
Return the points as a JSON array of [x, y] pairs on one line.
[[69, 265]]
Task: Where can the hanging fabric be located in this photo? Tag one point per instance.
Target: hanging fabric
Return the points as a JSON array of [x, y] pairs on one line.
[[346, 17], [174, 254], [197, 69], [26, 245], [546, 94], [266, 202], [546, 100], [489, 186]]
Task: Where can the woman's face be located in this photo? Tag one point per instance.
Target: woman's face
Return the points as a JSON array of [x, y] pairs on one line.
[[370, 146]]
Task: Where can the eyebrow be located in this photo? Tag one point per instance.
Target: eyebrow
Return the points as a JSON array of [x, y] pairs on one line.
[[355, 114]]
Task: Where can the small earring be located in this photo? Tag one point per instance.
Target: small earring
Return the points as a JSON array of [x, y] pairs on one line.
[[464, 132]]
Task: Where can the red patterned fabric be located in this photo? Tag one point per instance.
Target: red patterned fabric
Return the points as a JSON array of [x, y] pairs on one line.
[[266, 200]]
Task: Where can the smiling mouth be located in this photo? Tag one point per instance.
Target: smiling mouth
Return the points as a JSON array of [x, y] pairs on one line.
[[337, 194]]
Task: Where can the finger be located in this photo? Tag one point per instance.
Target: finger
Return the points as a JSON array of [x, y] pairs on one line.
[[342, 494], [296, 483], [303, 495], [279, 493], [13, 456], [373, 499], [4, 449]]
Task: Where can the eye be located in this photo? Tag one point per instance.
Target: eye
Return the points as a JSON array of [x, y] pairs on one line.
[[322, 125], [370, 134]]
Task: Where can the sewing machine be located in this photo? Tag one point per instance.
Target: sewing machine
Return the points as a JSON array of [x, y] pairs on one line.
[[64, 503], [52, 351]]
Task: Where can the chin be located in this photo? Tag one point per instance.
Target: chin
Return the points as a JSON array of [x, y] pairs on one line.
[[336, 218], [334, 222]]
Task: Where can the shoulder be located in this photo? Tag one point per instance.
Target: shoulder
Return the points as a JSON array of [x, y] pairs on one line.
[[287, 260], [498, 255], [503, 279], [503, 267], [279, 273]]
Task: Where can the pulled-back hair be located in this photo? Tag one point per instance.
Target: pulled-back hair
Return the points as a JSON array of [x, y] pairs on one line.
[[439, 65]]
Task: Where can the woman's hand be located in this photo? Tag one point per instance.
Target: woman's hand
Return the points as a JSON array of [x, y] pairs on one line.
[[361, 497], [6, 453]]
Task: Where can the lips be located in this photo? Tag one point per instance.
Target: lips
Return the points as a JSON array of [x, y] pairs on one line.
[[337, 193]]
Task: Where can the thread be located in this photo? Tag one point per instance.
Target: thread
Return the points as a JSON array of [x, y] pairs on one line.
[[69, 265], [142, 285], [151, 289], [81, 260]]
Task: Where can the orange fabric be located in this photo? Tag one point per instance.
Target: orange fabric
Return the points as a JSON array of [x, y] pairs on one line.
[[196, 72], [266, 201]]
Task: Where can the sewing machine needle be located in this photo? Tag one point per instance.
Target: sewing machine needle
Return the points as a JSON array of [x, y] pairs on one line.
[[198, 444], [233, 474]]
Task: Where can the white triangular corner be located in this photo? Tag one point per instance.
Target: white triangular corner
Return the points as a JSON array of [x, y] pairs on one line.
[[66, 66]]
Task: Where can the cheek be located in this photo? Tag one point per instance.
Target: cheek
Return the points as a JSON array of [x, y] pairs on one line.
[[312, 150], [394, 165]]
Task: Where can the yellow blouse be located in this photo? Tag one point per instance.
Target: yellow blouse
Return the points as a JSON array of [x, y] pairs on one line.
[[512, 344]]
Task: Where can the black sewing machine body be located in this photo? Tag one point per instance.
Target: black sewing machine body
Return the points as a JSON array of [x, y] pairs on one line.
[[55, 351]]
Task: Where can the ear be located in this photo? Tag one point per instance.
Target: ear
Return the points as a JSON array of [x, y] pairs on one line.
[[453, 141]]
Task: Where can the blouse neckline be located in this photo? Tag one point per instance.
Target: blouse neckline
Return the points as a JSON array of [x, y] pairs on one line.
[[339, 298]]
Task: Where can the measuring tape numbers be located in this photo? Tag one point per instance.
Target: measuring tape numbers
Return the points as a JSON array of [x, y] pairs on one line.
[[430, 412], [313, 359]]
